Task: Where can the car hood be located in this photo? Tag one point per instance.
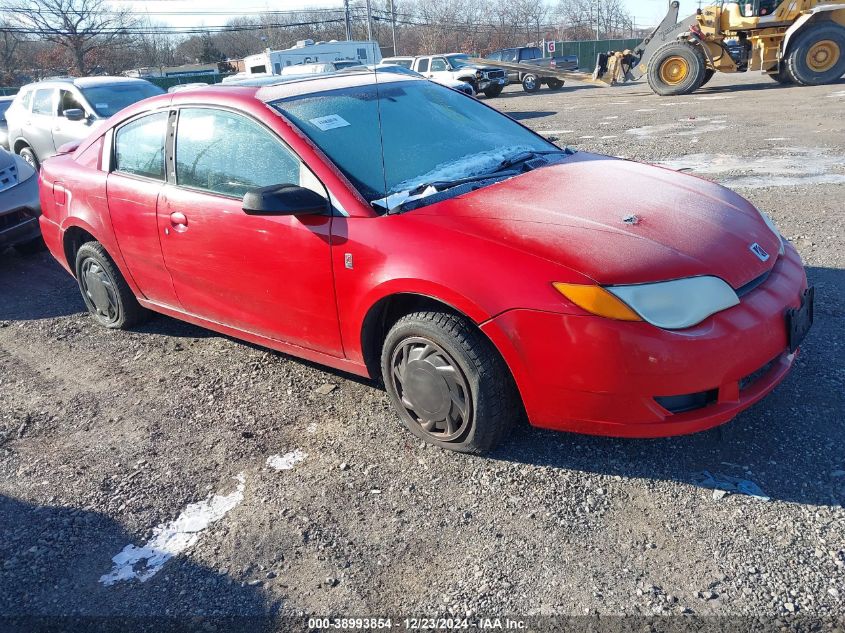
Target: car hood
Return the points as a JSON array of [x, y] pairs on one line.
[[618, 221]]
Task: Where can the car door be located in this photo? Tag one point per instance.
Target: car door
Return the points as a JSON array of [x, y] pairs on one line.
[[439, 69], [133, 186], [269, 275], [38, 126], [65, 130]]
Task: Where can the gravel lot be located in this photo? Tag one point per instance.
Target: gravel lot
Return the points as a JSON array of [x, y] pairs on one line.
[[106, 435]]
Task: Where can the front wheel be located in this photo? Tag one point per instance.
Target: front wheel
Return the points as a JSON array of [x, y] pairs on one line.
[[530, 83], [29, 156], [448, 383], [493, 91], [818, 55], [554, 84], [107, 296], [677, 68], [782, 76]]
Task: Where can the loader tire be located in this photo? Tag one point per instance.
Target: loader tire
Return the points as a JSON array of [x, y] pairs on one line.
[[818, 55], [708, 75], [678, 68], [782, 76]]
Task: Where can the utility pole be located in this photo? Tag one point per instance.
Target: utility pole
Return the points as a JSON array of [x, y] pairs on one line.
[[598, 18], [369, 22], [346, 16], [393, 26]]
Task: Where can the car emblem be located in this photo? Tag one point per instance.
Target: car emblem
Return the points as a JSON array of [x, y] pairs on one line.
[[759, 251]]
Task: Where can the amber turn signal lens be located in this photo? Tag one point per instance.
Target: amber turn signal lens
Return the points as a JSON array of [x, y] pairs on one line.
[[597, 300]]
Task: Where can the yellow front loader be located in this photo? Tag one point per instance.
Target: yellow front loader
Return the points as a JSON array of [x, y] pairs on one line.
[[793, 41]]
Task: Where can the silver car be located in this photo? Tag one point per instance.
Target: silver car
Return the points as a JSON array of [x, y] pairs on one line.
[[47, 114], [19, 205]]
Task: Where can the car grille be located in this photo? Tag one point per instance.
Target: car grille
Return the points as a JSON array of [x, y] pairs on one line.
[[8, 177], [495, 74]]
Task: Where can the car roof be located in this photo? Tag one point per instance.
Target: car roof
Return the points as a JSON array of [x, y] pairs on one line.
[[85, 82]]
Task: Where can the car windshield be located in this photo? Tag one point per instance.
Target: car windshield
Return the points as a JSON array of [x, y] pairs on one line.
[[428, 133], [458, 61], [109, 99]]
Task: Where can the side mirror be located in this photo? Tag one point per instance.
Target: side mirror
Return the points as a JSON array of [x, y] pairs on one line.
[[284, 199], [74, 114]]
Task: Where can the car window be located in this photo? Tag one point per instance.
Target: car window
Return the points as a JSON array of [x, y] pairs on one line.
[[423, 65], [4, 105], [42, 103], [404, 63], [509, 55], [229, 154], [438, 64], [497, 56], [139, 146], [26, 100], [68, 101], [109, 99]]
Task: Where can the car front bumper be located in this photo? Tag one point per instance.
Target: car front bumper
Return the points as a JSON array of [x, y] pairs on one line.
[[599, 376], [19, 211], [486, 84]]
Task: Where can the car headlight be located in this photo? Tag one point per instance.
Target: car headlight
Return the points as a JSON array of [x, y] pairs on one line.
[[671, 305], [25, 171], [771, 224]]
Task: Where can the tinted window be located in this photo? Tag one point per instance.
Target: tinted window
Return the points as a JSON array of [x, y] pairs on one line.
[[139, 146], [43, 101], [531, 53], [229, 154], [68, 101], [509, 55], [112, 98], [4, 105], [423, 65]]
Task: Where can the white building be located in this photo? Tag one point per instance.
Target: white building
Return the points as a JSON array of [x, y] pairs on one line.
[[307, 52]]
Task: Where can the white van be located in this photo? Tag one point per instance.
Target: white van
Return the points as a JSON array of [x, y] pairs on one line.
[[307, 52]]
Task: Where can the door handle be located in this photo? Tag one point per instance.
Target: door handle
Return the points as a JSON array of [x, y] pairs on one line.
[[178, 221]]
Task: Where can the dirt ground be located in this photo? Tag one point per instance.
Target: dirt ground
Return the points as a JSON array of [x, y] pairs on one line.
[[106, 435]]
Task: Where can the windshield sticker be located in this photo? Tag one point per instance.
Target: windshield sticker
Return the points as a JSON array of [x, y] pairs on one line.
[[102, 106], [329, 122]]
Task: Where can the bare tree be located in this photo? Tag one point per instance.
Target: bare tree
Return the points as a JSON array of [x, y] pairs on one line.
[[9, 46], [85, 28]]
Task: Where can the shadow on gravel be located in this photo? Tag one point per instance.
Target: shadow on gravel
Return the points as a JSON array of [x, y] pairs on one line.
[[789, 443], [772, 85], [534, 114], [36, 287], [53, 558]]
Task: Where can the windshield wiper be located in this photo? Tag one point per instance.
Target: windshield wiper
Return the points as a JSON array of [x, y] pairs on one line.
[[504, 166]]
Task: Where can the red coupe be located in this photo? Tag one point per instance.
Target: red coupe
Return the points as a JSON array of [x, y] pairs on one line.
[[390, 227]]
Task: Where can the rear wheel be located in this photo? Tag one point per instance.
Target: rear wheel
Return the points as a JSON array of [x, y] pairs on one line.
[[554, 84], [107, 296], [530, 83], [29, 156], [708, 75], [818, 55], [677, 68], [448, 383]]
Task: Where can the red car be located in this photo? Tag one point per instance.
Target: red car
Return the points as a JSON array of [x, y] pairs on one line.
[[390, 227]]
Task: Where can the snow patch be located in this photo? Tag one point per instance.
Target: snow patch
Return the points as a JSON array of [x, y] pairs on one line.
[[169, 539], [781, 167], [555, 131], [714, 97], [286, 461], [839, 94], [700, 125]]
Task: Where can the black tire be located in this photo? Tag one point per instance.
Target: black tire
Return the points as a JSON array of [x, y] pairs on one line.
[[29, 156], [493, 91], [782, 76], [104, 290], [688, 59], [458, 381], [708, 75], [818, 55], [554, 84], [530, 83], [31, 247]]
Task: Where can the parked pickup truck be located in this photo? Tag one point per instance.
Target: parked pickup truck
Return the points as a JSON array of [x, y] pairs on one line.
[[487, 79], [532, 57]]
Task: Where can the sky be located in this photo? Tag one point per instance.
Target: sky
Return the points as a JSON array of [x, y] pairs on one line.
[[646, 12]]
